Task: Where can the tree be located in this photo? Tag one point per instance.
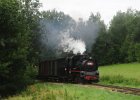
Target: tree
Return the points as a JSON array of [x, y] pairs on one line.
[[137, 51], [121, 39], [16, 37]]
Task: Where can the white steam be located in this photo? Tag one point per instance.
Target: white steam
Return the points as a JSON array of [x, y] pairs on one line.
[[70, 44]]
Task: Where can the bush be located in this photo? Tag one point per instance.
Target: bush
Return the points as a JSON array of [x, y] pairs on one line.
[[17, 55]]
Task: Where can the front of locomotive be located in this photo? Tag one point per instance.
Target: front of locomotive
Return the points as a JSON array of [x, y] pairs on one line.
[[89, 70], [82, 68]]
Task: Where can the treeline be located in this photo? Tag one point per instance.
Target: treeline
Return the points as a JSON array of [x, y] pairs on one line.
[[120, 43]]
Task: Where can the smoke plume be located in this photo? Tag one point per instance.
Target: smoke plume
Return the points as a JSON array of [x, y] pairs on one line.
[[66, 35], [70, 44]]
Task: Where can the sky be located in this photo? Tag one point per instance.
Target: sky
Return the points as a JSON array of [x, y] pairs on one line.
[[83, 8]]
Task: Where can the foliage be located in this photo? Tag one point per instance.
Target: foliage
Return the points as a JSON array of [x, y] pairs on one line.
[[17, 32], [137, 51], [118, 44]]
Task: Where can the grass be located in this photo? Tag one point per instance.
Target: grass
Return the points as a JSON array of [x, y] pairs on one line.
[[49, 91], [121, 74]]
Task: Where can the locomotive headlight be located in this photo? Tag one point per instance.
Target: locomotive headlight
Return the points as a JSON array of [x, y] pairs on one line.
[[90, 64]]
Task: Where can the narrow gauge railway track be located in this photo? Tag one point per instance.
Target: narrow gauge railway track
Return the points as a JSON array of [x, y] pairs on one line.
[[125, 90]]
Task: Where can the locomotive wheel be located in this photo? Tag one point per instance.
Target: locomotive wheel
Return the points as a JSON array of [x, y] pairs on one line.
[[79, 80], [89, 82]]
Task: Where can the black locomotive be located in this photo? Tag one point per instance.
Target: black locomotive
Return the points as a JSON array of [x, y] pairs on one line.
[[76, 68]]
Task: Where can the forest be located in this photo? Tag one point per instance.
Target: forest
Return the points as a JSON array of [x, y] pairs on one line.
[[28, 36]]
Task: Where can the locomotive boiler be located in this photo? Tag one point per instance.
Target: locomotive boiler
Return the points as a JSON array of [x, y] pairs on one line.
[[77, 68]]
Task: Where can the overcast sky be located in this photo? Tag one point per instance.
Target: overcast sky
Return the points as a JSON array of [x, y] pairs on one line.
[[83, 8]]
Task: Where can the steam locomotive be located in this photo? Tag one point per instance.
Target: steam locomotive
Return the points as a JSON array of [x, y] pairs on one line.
[[77, 68]]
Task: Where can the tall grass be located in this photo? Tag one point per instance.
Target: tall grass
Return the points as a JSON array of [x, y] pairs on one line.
[[118, 79]]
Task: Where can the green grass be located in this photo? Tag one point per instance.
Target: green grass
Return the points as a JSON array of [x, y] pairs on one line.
[[121, 74], [49, 91]]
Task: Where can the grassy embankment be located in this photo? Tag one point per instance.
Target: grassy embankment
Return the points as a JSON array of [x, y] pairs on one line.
[[121, 74], [48, 91]]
